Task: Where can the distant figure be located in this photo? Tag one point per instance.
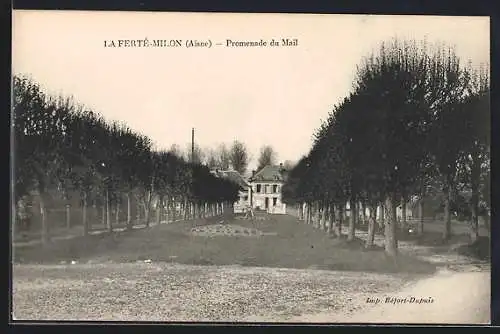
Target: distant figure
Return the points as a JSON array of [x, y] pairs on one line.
[[249, 212]]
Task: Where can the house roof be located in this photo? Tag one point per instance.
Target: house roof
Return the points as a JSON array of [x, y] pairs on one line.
[[270, 173], [233, 176]]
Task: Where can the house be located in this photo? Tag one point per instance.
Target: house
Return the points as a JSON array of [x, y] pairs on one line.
[[244, 192], [266, 185]]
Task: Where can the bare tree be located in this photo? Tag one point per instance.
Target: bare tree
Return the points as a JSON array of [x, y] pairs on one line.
[[211, 158], [288, 165], [238, 156], [222, 157], [267, 156], [176, 150], [196, 156]]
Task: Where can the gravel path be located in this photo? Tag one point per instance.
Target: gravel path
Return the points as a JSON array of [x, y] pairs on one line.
[[170, 292]]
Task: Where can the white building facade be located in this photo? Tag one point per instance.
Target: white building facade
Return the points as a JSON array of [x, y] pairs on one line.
[[266, 186]]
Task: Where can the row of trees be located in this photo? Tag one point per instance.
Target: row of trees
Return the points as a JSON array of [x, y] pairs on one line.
[[416, 122], [63, 147]]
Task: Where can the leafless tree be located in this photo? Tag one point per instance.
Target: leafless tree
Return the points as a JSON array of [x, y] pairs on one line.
[[267, 156], [238, 156], [222, 157]]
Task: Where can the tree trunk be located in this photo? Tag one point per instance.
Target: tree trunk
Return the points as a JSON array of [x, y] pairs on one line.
[[447, 215], [146, 215], [340, 222], [138, 211], [316, 215], [382, 217], [158, 209], [104, 213], [43, 213], [117, 213], [353, 220], [363, 213], [84, 216], [117, 210], [95, 212], [173, 207], [475, 179], [331, 219], [391, 243], [421, 216], [324, 217], [371, 227], [167, 203], [147, 209], [68, 216], [403, 212], [109, 224], [317, 222], [311, 213], [185, 209], [129, 213]]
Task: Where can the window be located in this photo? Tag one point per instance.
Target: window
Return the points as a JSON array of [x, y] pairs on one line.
[[275, 188], [245, 198], [275, 201], [258, 188], [266, 189]]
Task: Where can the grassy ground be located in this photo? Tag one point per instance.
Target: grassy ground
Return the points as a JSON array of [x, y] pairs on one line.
[[289, 244]]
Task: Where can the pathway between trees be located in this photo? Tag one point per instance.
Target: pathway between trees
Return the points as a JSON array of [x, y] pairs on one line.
[[457, 298], [457, 294]]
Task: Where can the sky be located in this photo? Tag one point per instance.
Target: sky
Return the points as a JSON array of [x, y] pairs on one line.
[[273, 96]]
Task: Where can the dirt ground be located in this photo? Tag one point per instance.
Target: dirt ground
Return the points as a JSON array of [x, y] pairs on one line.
[[447, 298], [173, 292]]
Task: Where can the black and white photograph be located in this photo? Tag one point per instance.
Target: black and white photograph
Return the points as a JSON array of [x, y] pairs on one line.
[[250, 168]]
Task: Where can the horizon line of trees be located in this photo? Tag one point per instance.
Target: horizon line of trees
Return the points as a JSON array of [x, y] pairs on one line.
[[416, 122], [63, 147], [224, 156]]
